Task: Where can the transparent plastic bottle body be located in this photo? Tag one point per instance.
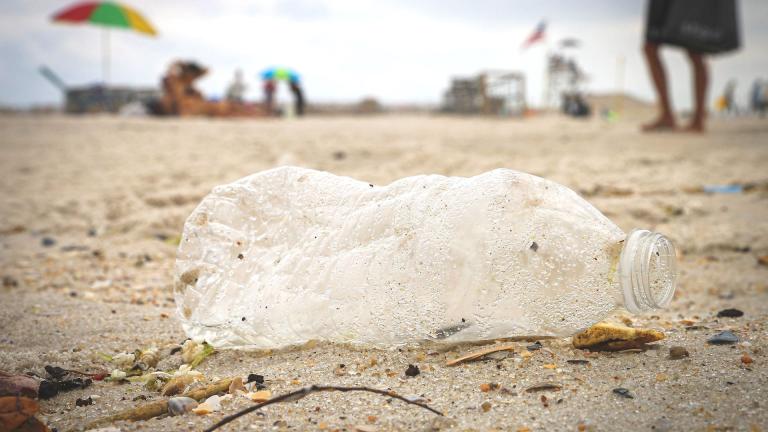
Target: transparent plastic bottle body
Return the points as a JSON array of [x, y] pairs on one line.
[[291, 254]]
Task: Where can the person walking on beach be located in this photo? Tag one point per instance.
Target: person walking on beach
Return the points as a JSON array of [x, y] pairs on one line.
[[236, 89], [757, 97], [700, 27]]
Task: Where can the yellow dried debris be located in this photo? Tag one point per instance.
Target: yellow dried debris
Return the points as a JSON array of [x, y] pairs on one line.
[[611, 337]]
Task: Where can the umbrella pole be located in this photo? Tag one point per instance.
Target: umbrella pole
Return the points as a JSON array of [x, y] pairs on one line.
[[105, 55]]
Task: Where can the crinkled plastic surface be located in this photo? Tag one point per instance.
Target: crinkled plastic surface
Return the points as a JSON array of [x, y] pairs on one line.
[[291, 254]]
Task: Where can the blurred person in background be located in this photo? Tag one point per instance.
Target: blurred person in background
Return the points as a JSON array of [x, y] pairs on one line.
[[298, 96], [700, 27], [758, 97], [236, 89]]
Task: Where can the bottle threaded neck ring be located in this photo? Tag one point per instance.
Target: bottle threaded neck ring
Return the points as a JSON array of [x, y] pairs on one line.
[[647, 270]]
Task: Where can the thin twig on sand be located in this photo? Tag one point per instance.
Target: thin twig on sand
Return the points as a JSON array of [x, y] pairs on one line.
[[301, 393]]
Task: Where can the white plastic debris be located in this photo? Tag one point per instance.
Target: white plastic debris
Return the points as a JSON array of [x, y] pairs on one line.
[[290, 255]]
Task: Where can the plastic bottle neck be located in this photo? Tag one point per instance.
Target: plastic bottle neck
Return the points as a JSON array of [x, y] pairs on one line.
[[647, 271]]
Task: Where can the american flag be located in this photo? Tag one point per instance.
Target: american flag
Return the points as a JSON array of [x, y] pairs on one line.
[[538, 34]]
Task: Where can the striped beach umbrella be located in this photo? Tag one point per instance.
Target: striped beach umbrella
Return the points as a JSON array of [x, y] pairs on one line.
[[108, 15]]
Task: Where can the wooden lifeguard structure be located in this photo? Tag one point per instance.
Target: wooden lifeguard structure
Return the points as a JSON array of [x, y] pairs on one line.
[[492, 92]]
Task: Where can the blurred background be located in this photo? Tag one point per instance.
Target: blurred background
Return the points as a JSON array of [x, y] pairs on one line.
[[396, 53]]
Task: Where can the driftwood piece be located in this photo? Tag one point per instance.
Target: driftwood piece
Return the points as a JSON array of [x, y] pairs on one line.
[[158, 408], [480, 354]]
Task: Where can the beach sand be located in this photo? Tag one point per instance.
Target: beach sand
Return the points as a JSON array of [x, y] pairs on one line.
[[112, 195]]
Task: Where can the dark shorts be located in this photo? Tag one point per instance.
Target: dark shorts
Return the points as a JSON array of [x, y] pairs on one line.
[[704, 26], [655, 19]]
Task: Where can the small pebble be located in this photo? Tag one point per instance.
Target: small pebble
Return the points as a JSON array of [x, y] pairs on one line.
[[746, 359], [723, 338], [678, 352], [259, 379], [621, 391], [534, 346], [412, 370], [48, 241], [9, 282], [486, 406], [181, 405], [84, 402], [486, 387], [730, 313]]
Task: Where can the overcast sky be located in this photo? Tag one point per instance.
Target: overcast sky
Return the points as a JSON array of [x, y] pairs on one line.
[[397, 51]]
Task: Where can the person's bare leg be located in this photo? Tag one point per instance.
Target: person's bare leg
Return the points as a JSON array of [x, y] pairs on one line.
[[666, 119], [700, 84]]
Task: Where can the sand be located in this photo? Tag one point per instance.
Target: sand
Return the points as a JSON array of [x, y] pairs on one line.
[[113, 193]]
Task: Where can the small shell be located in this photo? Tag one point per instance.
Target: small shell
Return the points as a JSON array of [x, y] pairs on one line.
[[190, 349], [260, 396], [181, 405], [214, 402], [202, 409], [149, 357], [237, 386]]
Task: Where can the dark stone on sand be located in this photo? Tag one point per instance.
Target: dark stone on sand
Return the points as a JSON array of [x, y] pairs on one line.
[[258, 379], [10, 282], [84, 402], [48, 241], [534, 346], [412, 370], [723, 338], [730, 313], [621, 391]]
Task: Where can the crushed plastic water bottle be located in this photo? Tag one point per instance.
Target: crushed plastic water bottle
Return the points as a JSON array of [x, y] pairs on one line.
[[290, 255]]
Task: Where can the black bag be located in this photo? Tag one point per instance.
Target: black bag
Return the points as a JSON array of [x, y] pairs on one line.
[[704, 26]]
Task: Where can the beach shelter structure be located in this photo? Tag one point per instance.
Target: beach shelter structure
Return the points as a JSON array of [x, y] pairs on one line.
[[108, 15]]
